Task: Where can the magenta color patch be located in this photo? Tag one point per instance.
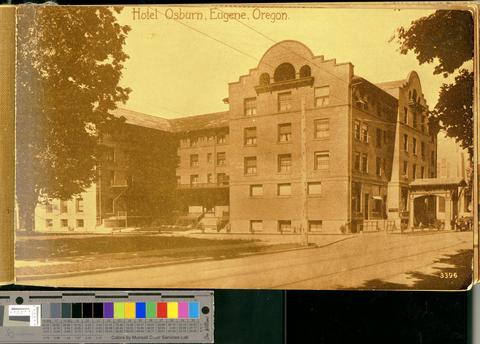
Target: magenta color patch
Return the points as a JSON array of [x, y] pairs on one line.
[[183, 310]]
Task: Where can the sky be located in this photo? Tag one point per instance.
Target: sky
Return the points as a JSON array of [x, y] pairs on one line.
[[178, 67]]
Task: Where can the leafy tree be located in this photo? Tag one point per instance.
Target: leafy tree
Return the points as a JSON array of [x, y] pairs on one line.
[[69, 63], [446, 39]]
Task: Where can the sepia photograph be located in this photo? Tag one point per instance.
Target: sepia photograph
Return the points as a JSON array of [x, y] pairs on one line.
[[245, 146]]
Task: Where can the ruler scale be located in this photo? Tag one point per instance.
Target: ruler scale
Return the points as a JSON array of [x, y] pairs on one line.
[[107, 317]]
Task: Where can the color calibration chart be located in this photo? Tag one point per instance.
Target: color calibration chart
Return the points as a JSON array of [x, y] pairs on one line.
[[107, 317]]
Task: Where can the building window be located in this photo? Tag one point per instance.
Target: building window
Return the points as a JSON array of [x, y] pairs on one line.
[[63, 223], [194, 160], [209, 178], [221, 138], [385, 137], [80, 223], [379, 137], [432, 158], [284, 163], [284, 72], [264, 79], [79, 205], [415, 120], [405, 143], [250, 165], [322, 96], [222, 179], [49, 223], [365, 163], [405, 169], [356, 162], [322, 129], [285, 132], [194, 179], [49, 207], [357, 130], [422, 150], [378, 166], [63, 207], [365, 133], [111, 177], [250, 106], [305, 71], [377, 205], [356, 197], [256, 225], [422, 172], [256, 190], [193, 141], [284, 101], [109, 154], [414, 146], [315, 225], [405, 115], [314, 188], [250, 136], [414, 171], [322, 160], [209, 157], [284, 226], [284, 189], [221, 159]]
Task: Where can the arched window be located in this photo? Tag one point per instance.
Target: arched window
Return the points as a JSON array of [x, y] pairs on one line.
[[264, 79], [414, 95], [284, 72], [305, 71]]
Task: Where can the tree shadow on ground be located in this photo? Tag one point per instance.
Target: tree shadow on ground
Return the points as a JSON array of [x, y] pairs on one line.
[[458, 264]]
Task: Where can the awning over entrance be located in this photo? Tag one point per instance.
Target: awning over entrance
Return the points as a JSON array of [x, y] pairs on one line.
[[449, 188]]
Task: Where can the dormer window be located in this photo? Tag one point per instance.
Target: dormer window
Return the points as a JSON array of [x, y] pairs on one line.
[[284, 72]]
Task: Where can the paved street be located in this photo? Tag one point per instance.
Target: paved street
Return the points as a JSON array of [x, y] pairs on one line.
[[426, 261]]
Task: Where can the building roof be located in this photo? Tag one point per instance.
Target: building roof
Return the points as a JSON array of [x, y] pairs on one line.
[[438, 181], [200, 122], [387, 85], [143, 120]]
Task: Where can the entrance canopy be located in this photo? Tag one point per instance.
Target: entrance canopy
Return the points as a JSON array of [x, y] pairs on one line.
[[449, 188]]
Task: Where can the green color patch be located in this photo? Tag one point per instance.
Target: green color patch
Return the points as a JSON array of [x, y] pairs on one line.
[[151, 310]]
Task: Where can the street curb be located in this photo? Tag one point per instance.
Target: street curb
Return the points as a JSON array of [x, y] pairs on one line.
[[174, 262]]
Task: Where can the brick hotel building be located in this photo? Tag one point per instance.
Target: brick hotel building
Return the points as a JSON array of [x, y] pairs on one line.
[[305, 143]]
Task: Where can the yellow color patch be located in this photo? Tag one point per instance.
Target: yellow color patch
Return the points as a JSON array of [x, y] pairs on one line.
[[172, 310], [130, 310]]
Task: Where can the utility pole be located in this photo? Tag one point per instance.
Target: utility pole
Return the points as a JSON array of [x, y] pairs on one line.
[[304, 226]]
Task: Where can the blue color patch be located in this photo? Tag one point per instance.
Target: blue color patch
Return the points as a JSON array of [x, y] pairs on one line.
[[193, 310], [140, 310]]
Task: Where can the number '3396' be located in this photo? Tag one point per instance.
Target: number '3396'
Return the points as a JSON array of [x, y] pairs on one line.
[[448, 275]]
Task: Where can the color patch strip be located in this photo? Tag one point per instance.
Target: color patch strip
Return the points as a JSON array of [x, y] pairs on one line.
[[183, 310], [108, 310], [151, 310], [172, 310], [119, 310], [193, 310]]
